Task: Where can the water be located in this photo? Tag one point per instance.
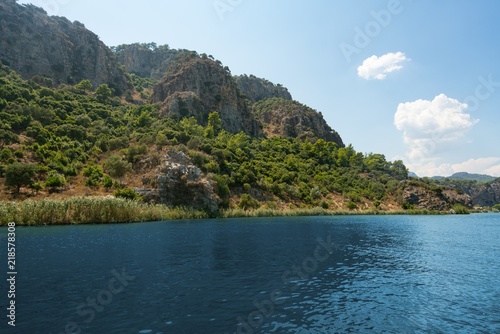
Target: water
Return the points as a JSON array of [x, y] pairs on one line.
[[385, 274]]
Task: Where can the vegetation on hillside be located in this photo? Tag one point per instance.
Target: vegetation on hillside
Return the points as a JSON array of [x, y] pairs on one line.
[[84, 137], [59, 134]]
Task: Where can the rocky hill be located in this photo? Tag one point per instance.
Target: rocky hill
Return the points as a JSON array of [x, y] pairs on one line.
[[484, 194], [257, 89], [33, 43], [196, 86], [147, 60], [281, 117]]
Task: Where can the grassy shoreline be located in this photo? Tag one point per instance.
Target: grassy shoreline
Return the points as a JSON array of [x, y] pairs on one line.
[[109, 210]]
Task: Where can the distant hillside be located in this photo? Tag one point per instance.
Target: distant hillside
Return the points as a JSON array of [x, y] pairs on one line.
[[33, 43], [467, 176]]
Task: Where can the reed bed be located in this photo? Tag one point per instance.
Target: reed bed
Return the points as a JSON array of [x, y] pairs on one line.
[[265, 212], [105, 210], [89, 210]]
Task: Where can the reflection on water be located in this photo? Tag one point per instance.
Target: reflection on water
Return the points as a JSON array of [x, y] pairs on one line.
[[373, 274]]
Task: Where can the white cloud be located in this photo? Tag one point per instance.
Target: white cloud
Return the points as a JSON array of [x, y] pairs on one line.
[[378, 67], [431, 128]]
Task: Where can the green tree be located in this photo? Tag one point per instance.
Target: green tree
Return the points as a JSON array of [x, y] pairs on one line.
[[115, 166], [103, 93], [18, 175], [84, 85], [248, 202], [214, 125], [54, 181]]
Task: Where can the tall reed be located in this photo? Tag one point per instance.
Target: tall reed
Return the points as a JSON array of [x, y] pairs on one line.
[[89, 210]]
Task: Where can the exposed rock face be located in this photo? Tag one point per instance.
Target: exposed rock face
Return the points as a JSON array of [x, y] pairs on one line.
[[33, 43], [146, 60], [180, 183], [256, 89], [281, 117], [427, 199], [196, 86], [485, 194]]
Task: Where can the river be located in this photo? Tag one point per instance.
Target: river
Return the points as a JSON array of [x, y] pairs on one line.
[[340, 274]]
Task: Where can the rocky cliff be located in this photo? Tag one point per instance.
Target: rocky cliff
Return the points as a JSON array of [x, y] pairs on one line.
[[484, 194], [442, 200], [146, 60], [257, 89], [33, 43], [196, 86], [281, 117]]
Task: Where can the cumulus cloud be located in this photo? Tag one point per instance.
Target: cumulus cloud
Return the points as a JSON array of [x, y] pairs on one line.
[[430, 128], [378, 67], [431, 167]]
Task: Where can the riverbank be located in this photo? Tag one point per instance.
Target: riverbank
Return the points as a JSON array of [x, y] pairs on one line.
[[105, 210]]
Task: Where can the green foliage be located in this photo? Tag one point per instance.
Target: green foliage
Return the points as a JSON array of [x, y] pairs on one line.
[[496, 207], [248, 202], [84, 85], [115, 166], [107, 182], [54, 181], [459, 209], [351, 205], [408, 206], [18, 175], [103, 93], [126, 193], [134, 153], [94, 175]]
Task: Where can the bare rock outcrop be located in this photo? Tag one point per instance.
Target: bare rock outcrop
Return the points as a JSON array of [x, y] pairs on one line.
[[176, 181], [196, 86], [281, 117], [257, 89]]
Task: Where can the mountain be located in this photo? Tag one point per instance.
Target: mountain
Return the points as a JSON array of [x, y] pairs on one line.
[[146, 60], [35, 44], [76, 139], [196, 86], [257, 89], [281, 117], [473, 177]]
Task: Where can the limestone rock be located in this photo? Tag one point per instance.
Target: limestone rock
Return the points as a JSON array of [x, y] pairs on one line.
[[257, 89], [33, 43], [179, 183], [146, 60], [281, 117], [196, 86]]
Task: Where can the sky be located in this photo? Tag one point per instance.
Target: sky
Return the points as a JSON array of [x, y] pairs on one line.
[[413, 80]]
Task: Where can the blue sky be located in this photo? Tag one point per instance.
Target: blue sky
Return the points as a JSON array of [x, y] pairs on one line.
[[414, 80]]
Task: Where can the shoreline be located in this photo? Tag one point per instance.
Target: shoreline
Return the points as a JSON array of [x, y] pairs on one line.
[[111, 210]]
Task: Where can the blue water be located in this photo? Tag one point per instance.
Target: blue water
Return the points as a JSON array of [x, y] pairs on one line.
[[352, 274]]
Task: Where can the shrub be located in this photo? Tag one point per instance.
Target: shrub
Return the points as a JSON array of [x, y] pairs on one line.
[[116, 166], [351, 205], [126, 193], [248, 202], [55, 180], [459, 209]]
